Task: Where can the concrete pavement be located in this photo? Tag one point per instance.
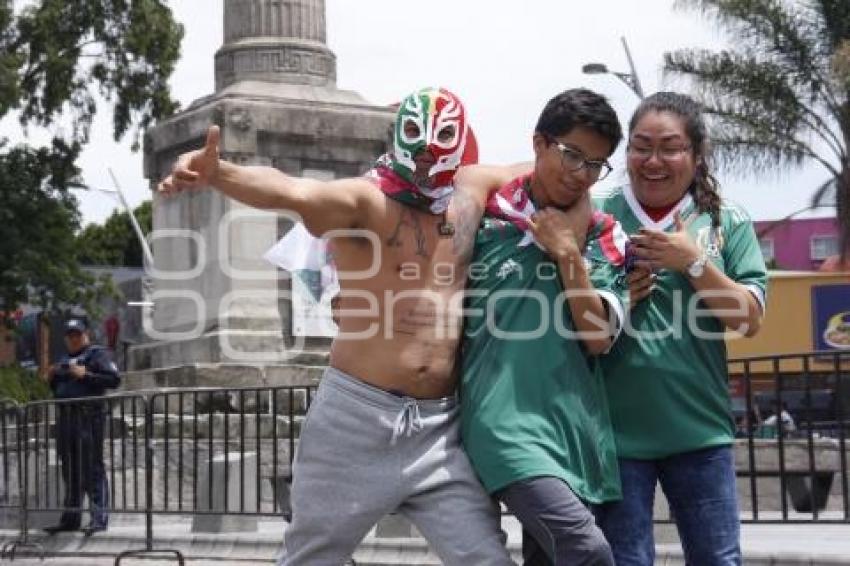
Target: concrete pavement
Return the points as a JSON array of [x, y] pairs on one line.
[[820, 544]]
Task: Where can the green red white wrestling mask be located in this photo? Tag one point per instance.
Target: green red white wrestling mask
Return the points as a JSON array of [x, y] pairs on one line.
[[433, 121]]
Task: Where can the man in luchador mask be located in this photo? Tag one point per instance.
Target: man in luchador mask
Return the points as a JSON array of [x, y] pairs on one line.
[[382, 434]]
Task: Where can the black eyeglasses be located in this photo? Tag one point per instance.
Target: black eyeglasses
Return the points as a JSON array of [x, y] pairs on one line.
[[574, 160], [666, 153]]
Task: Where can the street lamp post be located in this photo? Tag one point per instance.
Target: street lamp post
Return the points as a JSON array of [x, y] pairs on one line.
[[147, 281], [146, 250], [630, 79]]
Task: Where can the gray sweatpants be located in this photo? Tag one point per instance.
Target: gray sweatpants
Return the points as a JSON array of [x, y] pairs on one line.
[[364, 453]]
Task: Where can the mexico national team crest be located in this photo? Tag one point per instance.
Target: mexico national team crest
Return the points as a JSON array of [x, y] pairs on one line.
[[710, 240]]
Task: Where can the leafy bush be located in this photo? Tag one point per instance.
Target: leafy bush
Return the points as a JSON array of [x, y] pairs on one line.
[[22, 385]]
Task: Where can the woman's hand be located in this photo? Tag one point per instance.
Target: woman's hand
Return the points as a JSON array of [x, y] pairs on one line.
[[668, 250], [641, 282]]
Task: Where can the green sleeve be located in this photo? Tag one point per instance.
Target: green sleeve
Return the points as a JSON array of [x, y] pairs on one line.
[[743, 260]]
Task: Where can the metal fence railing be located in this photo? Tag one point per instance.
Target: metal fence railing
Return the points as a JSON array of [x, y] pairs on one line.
[[210, 453], [199, 452], [13, 500], [230, 450], [797, 461]]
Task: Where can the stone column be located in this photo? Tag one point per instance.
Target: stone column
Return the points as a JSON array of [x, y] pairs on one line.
[[275, 41], [293, 19]]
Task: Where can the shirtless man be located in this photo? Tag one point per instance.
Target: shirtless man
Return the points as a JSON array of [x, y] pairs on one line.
[[382, 434]]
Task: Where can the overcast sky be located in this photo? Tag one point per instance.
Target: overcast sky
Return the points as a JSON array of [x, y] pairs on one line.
[[504, 59]]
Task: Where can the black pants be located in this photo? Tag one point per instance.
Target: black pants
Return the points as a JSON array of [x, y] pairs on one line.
[[79, 442], [557, 528]]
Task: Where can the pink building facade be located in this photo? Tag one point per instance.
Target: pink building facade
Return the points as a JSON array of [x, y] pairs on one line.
[[799, 244]]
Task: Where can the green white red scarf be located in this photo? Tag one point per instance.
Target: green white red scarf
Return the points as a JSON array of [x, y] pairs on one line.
[[512, 203]]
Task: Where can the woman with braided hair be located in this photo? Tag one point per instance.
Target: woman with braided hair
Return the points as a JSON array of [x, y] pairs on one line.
[[699, 272]]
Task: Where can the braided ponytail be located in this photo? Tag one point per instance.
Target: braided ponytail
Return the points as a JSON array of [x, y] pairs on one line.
[[706, 193]]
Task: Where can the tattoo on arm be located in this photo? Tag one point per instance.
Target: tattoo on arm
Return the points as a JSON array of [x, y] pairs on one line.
[[409, 219], [468, 216]]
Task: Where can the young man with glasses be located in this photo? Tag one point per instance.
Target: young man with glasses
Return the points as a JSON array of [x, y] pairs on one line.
[[534, 414]]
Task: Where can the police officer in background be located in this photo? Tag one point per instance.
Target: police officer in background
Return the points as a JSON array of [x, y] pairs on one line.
[[87, 371]]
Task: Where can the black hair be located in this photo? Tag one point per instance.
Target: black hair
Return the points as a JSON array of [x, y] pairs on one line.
[[580, 107], [705, 189]]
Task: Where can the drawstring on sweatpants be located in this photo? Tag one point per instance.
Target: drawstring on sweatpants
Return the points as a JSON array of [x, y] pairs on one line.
[[408, 420]]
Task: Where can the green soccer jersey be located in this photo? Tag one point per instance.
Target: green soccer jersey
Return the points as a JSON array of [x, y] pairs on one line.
[[533, 402], [666, 376]]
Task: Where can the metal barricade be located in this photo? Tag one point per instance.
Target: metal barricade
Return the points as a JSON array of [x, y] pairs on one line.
[[15, 471], [804, 461], [214, 453]]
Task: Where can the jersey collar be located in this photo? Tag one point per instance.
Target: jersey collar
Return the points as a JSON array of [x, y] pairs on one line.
[[645, 219]]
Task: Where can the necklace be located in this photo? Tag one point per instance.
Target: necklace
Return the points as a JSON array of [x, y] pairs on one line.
[[445, 228]]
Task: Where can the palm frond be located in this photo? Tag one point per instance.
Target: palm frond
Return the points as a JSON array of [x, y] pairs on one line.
[[788, 33], [756, 96], [782, 94], [826, 194]]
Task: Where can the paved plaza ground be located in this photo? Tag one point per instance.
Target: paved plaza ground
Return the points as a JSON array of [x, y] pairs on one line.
[[763, 544]]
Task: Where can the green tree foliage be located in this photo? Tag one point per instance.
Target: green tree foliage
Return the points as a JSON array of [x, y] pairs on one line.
[[58, 54], [38, 261], [115, 242], [21, 385], [781, 97], [9, 61], [56, 57]]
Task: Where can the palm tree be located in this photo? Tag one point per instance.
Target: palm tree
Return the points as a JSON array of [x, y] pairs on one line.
[[780, 98]]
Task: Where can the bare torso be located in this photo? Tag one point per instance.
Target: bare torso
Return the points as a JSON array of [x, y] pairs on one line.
[[400, 327]]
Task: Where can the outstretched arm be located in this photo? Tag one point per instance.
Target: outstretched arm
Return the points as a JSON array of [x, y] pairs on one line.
[[323, 205], [481, 180]]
